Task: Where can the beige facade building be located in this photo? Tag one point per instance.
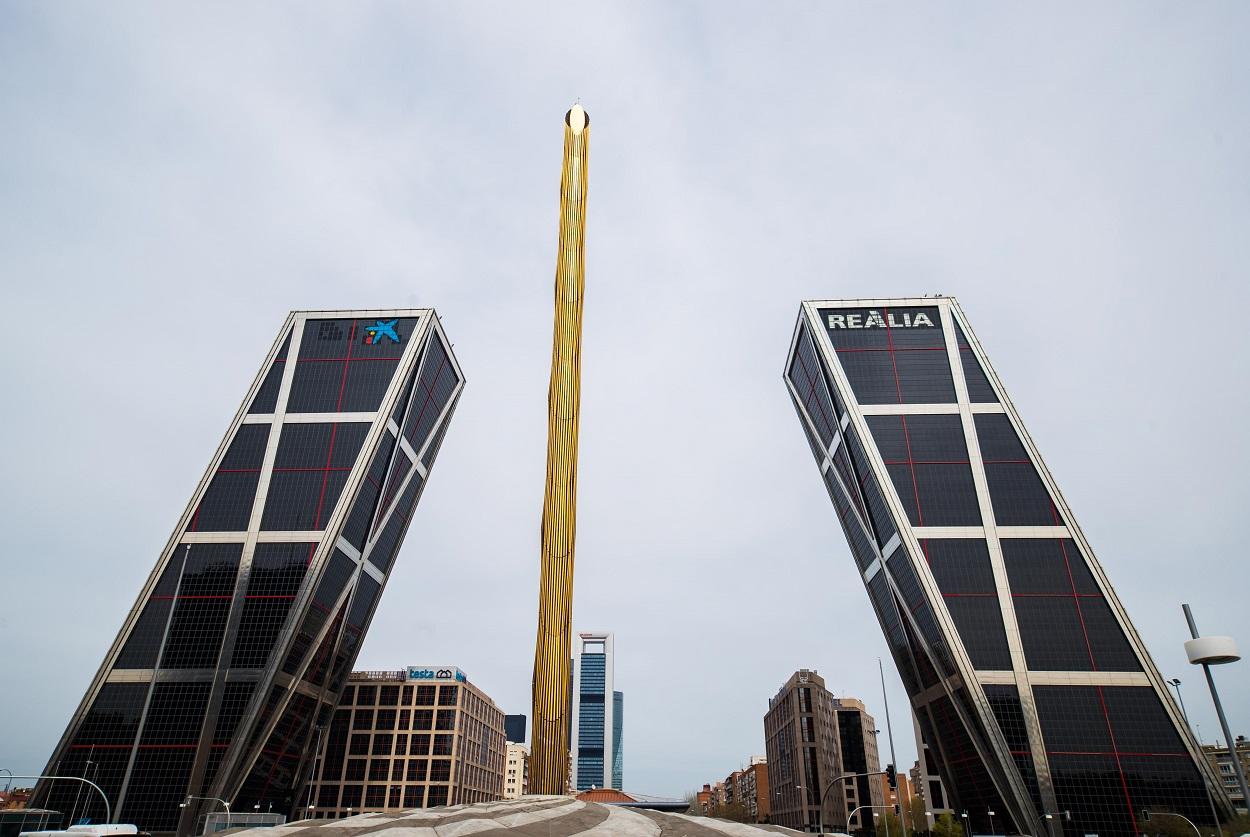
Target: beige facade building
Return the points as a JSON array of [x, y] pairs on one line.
[[516, 773], [801, 740], [421, 737], [1221, 759]]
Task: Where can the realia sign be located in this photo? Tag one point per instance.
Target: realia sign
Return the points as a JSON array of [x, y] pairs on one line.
[[874, 319]]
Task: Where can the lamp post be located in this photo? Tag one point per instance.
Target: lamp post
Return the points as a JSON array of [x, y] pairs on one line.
[[9, 784], [313, 775], [856, 810], [108, 809], [187, 803], [1146, 815], [967, 824], [991, 813], [1208, 651], [1175, 683], [1049, 817], [821, 810]]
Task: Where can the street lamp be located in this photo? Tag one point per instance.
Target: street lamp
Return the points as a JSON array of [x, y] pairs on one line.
[[1175, 683], [187, 803], [1146, 815], [967, 824], [208, 798], [991, 813], [1210, 651], [108, 809]]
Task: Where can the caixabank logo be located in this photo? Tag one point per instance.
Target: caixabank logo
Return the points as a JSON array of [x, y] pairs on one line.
[[380, 332]]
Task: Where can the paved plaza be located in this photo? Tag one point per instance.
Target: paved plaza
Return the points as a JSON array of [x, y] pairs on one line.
[[535, 816]]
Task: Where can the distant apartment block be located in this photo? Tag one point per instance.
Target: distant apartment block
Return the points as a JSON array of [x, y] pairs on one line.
[[516, 775]]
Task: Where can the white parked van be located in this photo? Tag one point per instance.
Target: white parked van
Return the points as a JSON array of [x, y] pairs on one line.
[[104, 829]]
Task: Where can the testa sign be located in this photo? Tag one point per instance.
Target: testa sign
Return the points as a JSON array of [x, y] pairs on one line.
[[874, 319], [436, 673]]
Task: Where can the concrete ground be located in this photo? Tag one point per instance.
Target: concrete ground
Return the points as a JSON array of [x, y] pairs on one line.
[[530, 816]]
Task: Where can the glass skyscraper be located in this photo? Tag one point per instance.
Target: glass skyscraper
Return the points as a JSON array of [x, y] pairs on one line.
[[597, 716], [229, 665], [1031, 687]]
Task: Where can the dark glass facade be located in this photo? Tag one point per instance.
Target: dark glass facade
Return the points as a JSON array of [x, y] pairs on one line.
[[238, 645], [1033, 694]]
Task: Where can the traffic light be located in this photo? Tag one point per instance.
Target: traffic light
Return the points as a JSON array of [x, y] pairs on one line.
[[891, 776]]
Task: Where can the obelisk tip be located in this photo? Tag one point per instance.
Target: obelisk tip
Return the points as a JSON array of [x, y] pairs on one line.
[[577, 119]]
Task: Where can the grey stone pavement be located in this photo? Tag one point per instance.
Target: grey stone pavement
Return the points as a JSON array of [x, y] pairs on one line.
[[530, 816]]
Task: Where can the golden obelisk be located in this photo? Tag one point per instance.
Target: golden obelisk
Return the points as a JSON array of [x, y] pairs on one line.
[[549, 759]]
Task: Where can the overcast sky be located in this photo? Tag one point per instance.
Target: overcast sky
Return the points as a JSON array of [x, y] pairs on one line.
[[174, 178]]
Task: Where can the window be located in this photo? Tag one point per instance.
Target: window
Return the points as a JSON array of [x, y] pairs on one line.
[[899, 359], [927, 459]]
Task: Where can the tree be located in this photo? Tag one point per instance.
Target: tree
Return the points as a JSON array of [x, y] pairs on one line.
[[947, 826], [735, 811], [693, 808], [916, 813], [889, 823]]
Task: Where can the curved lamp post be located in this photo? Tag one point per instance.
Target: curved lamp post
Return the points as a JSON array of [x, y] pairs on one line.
[[820, 810], [108, 809], [1146, 815]]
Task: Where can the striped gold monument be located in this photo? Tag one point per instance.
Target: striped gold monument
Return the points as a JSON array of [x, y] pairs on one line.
[[549, 758]]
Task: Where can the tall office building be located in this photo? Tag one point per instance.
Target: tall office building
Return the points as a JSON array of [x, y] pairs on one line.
[[801, 740], [857, 754], [597, 725], [420, 737], [242, 636], [618, 729], [1032, 689], [514, 726]]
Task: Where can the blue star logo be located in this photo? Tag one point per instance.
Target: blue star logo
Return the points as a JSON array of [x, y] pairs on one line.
[[379, 330]]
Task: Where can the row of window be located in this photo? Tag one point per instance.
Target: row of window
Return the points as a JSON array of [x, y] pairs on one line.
[[397, 695], [382, 797]]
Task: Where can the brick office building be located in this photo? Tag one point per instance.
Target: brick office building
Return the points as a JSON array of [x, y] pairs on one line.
[[416, 738]]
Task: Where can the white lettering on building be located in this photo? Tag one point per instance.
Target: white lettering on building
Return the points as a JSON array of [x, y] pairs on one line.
[[874, 319]]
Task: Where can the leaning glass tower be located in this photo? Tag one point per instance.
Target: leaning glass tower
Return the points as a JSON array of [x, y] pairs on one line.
[[1031, 687], [230, 662]]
